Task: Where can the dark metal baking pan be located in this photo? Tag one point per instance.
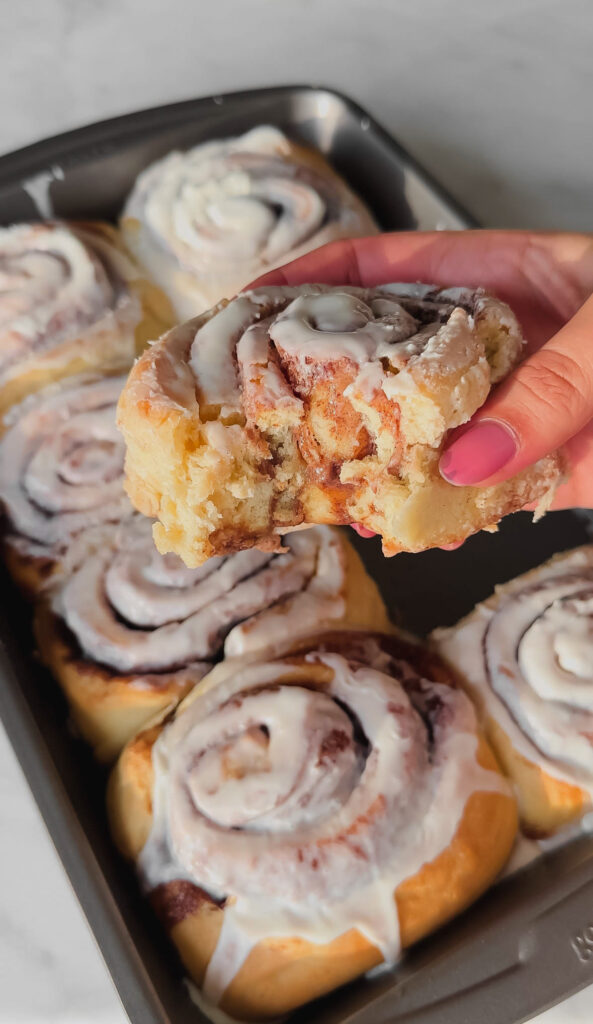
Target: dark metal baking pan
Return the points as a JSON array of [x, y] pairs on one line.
[[94, 167], [526, 944]]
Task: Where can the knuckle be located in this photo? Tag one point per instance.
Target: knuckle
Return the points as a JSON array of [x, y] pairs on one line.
[[558, 382], [350, 255]]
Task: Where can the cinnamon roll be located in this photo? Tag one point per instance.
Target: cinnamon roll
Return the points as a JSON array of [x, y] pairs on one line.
[[206, 222], [319, 405], [128, 631], [71, 300], [61, 473], [526, 655], [298, 821]]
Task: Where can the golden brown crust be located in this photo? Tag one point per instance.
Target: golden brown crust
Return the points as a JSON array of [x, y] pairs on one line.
[[304, 447], [364, 606], [107, 708], [280, 974], [545, 804], [129, 793]]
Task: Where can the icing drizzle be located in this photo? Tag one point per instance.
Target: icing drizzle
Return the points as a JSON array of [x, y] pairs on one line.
[[305, 807], [226, 210], [394, 340], [56, 283], [61, 462], [531, 656], [137, 611]]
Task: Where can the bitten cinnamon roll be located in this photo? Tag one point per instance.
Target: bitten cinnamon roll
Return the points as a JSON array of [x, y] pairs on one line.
[[300, 820], [128, 631], [206, 222], [526, 655], [61, 473], [71, 300], [319, 405]]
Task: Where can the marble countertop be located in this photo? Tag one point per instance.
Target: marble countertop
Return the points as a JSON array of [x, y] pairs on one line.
[[494, 98]]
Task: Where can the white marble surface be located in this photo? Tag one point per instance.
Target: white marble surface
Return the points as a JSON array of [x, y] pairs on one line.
[[495, 97]]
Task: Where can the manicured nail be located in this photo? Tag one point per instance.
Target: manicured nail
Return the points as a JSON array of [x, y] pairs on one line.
[[362, 531], [484, 449]]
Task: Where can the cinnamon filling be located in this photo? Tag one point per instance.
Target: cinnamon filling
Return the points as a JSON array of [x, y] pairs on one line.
[[173, 901]]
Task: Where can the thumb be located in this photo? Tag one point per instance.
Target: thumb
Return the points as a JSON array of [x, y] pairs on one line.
[[544, 403]]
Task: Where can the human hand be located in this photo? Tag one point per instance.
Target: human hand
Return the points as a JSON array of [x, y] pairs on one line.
[[547, 280]]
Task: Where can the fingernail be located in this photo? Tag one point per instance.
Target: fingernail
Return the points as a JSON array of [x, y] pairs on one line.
[[484, 449], [362, 531]]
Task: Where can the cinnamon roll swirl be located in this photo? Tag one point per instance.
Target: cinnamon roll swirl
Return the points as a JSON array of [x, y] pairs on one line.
[[71, 300], [206, 222], [128, 631], [300, 820], [61, 473], [319, 405], [526, 655]]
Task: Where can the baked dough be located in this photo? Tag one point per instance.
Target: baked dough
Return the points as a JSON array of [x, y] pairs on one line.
[[319, 405], [61, 474], [526, 657], [127, 632], [298, 821], [72, 300], [207, 222]]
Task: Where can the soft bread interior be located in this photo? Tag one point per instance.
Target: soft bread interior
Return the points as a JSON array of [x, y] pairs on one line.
[[337, 453]]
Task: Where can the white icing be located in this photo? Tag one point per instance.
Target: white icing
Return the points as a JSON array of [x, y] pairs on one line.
[[530, 656], [319, 604], [234, 352], [226, 210], [53, 284], [212, 359], [38, 187], [314, 843], [61, 461], [138, 611], [524, 852], [263, 377]]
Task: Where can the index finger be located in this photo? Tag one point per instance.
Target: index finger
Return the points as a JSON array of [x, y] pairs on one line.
[[545, 276]]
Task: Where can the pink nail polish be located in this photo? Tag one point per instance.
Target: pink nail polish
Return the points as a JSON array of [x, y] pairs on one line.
[[362, 531], [484, 449]]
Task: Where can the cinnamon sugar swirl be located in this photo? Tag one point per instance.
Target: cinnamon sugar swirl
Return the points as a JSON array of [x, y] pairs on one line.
[[71, 300], [301, 820], [127, 631], [206, 222], [291, 406], [61, 473], [526, 655]]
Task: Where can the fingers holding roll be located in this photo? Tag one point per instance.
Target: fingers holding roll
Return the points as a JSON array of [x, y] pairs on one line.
[[542, 406], [290, 406]]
